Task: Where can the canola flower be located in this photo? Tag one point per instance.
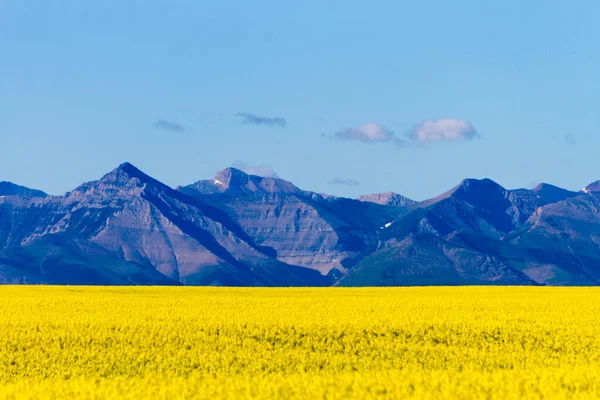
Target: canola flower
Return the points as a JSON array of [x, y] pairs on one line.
[[321, 343]]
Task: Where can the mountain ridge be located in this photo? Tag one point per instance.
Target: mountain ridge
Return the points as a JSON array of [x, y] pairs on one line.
[[239, 229]]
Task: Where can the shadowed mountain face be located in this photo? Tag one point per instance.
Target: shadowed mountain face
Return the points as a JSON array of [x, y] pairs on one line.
[[425, 259], [10, 189], [552, 194], [244, 230], [480, 232]]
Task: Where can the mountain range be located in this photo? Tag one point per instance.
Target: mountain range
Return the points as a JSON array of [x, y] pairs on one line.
[[244, 230]]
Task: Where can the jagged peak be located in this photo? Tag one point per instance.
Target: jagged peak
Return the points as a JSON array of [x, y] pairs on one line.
[[126, 178], [231, 177], [126, 174], [125, 171]]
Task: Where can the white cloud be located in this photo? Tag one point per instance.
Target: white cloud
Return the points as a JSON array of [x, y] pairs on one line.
[[370, 132], [443, 129], [259, 170]]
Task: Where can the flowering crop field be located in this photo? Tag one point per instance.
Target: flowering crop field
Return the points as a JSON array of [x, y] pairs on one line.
[[328, 343]]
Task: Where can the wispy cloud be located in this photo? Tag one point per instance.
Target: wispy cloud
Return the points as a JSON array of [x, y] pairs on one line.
[[370, 132], [171, 126], [443, 129], [342, 181], [253, 119], [260, 169]]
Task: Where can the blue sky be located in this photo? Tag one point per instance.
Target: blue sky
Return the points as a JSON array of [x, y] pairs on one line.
[[343, 97]]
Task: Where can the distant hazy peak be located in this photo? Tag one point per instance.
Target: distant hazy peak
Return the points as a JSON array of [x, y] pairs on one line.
[[11, 189], [387, 198], [592, 187], [552, 192], [234, 181], [470, 188], [478, 183]]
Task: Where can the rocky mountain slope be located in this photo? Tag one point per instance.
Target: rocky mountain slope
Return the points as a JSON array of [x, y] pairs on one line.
[[244, 230], [303, 228], [387, 199], [152, 229]]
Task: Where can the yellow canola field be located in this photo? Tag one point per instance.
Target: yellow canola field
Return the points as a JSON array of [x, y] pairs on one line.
[[325, 343]]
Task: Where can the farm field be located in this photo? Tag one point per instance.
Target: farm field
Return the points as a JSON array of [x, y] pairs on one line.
[[329, 343]]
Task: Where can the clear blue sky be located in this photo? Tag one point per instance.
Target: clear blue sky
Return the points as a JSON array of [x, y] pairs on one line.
[[86, 85]]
